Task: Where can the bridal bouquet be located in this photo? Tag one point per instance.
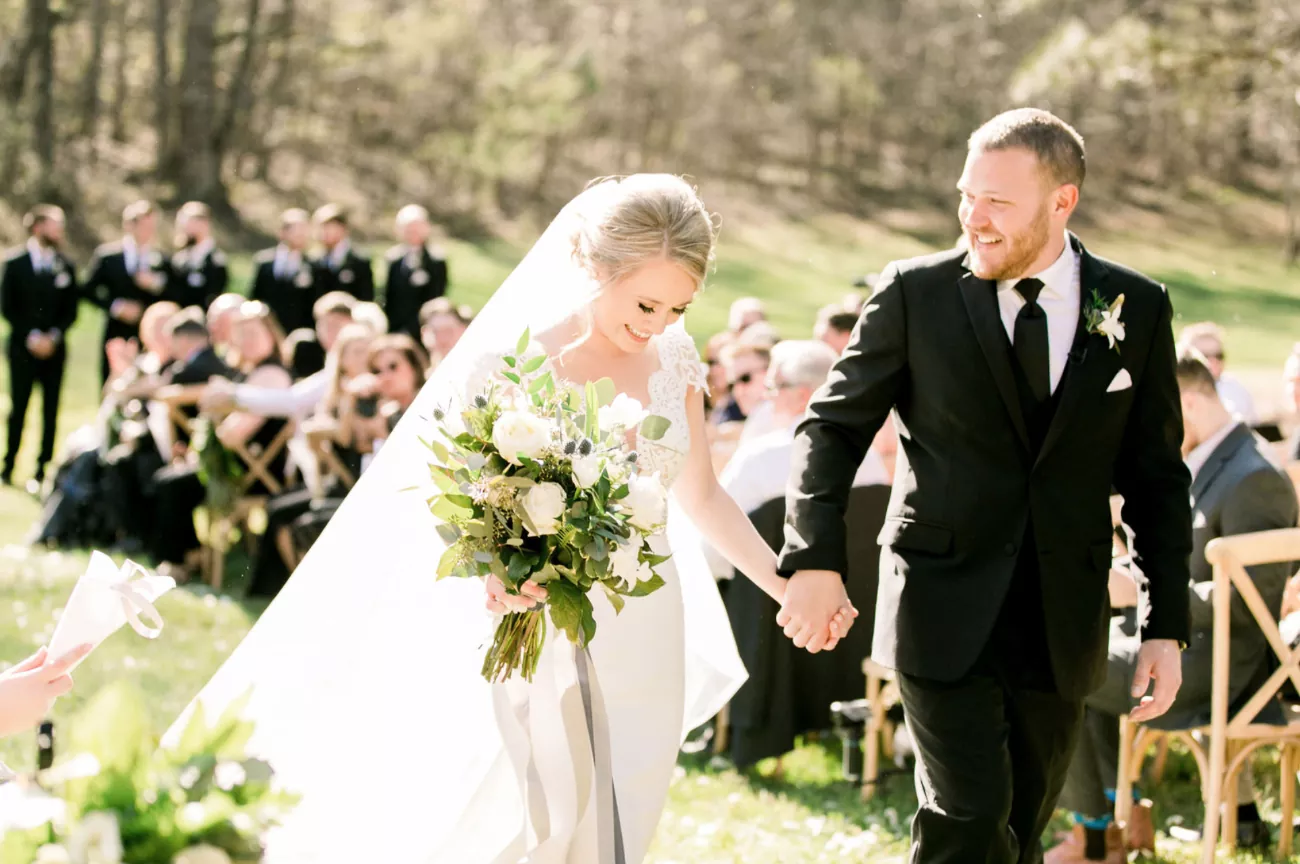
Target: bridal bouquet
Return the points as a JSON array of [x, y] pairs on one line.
[[535, 480]]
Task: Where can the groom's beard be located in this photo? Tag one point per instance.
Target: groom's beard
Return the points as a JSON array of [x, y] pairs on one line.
[[1021, 250]]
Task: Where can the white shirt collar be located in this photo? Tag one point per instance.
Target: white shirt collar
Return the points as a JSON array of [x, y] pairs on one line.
[[41, 257], [287, 260], [201, 250], [340, 253], [1057, 278], [1201, 453]]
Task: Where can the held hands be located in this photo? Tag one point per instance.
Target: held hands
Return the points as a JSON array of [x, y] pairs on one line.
[[816, 612], [29, 689], [1159, 659], [40, 345], [127, 311]]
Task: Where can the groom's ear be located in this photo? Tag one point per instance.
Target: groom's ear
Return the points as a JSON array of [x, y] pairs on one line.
[[1065, 199]]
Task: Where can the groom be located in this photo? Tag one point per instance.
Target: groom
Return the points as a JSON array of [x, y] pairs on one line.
[[1019, 406]]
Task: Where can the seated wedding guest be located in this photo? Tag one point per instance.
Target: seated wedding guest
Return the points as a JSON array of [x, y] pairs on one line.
[[284, 278], [789, 691], [134, 372], [371, 315], [835, 328], [398, 366], [341, 420], [760, 334], [303, 353], [221, 315], [417, 271], [198, 266], [854, 301], [1291, 400], [340, 267], [1235, 490], [332, 313], [1208, 338], [442, 323], [744, 312], [717, 370], [179, 492], [745, 368], [28, 689]]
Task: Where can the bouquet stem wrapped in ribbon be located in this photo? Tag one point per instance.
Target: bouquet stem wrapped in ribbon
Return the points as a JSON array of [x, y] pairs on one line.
[[536, 480]]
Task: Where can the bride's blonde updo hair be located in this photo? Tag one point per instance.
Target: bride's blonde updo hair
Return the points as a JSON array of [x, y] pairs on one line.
[[630, 221]]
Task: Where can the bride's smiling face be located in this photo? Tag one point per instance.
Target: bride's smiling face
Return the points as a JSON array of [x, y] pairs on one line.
[[641, 305]]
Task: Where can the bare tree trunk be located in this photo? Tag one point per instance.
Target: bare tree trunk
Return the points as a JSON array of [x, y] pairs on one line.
[[239, 101], [282, 34], [42, 27], [162, 114], [90, 89], [14, 64], [118, 107], [199, 172]]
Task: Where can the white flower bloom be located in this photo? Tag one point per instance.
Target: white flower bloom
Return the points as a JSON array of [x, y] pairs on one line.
[[97, 838], [586, 470], [544, 504], [623, 413], [193, 814], [624, 561], [1111, 327], [229, 775], [647, 502], [23, 807], [52, 853], [519, 433], [202, 855]]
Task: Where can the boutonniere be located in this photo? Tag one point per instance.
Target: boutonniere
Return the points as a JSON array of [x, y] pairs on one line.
[[1104, 320]]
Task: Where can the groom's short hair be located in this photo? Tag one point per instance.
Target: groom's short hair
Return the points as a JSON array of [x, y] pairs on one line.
[[1193, 372], [1057, 145]]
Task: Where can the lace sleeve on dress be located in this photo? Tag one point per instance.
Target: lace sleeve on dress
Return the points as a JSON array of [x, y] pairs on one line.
[[680, 355]]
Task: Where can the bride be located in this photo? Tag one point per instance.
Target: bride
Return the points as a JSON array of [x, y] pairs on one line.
[[363, 676]]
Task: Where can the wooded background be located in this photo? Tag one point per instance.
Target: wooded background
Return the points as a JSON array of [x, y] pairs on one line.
[[485, 108]]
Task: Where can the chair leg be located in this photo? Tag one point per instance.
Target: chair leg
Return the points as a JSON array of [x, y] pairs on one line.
[[722, 733], [875, 727], [1287, 787], [1124, 780], [1213, 800], [1162, 756], [1230, 804]]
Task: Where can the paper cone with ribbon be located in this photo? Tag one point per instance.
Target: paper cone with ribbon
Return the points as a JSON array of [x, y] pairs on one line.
[[106, 597]]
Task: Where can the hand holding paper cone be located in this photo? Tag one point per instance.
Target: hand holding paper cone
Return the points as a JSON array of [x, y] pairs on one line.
[[105, 598], [29, 689]]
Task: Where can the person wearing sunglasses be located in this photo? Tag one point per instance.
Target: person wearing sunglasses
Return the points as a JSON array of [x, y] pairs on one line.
[[1208, 339]]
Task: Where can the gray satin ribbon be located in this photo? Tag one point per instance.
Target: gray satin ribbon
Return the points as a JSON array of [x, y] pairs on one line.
[[609, 829]]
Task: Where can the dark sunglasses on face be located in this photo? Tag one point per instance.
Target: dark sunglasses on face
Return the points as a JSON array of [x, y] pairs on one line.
[[380, 370], [742, 379]]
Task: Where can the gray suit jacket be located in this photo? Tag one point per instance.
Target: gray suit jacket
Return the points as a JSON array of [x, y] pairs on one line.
[[1237, 491]]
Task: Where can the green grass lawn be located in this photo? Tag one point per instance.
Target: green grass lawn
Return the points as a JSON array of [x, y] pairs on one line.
[[715, 814]]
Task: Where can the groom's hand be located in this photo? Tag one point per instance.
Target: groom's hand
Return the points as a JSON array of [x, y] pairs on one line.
[[1159, 659], [812, 600]]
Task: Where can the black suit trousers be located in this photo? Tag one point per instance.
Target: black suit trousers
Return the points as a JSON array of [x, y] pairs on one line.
[[993, 748], [26, 371]]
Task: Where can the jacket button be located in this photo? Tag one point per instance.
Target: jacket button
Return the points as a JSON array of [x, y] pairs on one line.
[[1010, 549]]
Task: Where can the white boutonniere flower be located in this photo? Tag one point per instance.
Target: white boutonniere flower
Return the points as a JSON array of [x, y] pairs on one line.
[[1104, 320]]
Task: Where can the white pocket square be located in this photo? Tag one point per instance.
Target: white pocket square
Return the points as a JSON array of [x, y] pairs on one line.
[[1122, 381]]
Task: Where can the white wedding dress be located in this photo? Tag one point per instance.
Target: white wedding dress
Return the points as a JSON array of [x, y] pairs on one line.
[[363, 677]]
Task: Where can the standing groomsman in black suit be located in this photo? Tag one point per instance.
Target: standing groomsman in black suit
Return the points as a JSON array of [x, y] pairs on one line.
[[127, 276], [38, 297], [198, 267], [284, 278], [1027, 377], [340, 267], [416, 273]]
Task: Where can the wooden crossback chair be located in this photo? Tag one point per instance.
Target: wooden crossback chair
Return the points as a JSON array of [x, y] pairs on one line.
[[177, 398], [257, 466], [1232, 740], [321, 442], [882, 692]]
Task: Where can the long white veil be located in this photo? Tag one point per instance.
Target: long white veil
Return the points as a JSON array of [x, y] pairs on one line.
[[364, 672]]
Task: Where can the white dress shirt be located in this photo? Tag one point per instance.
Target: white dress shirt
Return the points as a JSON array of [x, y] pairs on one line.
[[287, 262], [1059, 299], [200, 252], [136, 257], [758, 472], [42, 258], [1200, 454]]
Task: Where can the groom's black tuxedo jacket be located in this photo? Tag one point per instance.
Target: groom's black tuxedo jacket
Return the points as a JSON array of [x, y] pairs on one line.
[[932, 347]]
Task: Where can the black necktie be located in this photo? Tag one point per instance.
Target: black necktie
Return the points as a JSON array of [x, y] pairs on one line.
[[1031, 340]]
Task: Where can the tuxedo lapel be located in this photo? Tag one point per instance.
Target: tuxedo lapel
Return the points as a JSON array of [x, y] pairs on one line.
[[980, 296], [1089, 359]]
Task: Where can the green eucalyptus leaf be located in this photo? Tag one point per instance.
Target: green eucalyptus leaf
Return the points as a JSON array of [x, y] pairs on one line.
[[605, 391], [448, 532], [533, 364], [448, 562], [654, 427], [522, 345], [510, 376]]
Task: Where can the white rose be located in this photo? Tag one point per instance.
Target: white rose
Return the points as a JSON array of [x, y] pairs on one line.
[[544, 504], [52, 854], [586, 470], [625, 561], [646, 502], [519, 433], [624, 412], [229, 775], [97, 838], [202, 855]]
